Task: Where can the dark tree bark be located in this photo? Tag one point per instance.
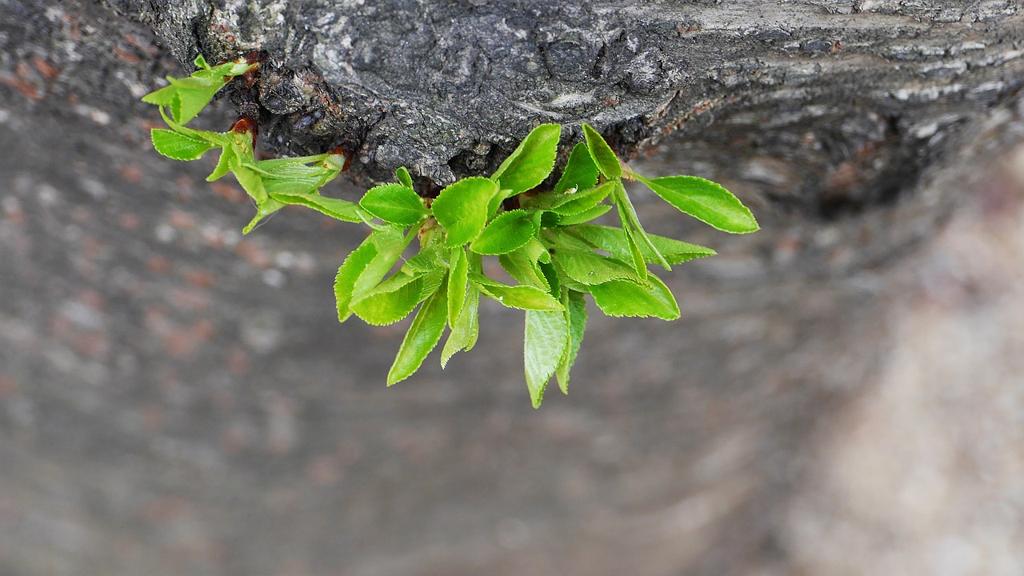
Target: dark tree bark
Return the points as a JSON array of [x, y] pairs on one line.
[[449, 88], [177, 399]]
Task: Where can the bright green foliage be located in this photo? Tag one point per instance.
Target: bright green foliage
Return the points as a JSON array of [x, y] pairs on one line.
[[580, 172], [403, 176], [462, 208], [530, 163], [423, 335], [186, 97], [544, 342], [542, 235], [605, 159], [521, 297], [576, 316], [466, 329], [523, 264], [613, 241], [392, 300], [623, 298], [507, 232], [348, 273], [179, 146], [394, 203], [458, 280], [585, 216], [704, 200], [590, 268]]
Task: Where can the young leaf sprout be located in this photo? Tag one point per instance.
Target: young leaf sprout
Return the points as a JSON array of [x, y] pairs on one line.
[[544, 237]]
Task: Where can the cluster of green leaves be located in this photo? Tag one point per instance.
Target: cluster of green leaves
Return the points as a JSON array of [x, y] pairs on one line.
[[272, 184], [543, 237]]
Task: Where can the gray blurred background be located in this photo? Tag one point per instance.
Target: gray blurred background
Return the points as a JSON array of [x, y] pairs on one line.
[[842, 396]]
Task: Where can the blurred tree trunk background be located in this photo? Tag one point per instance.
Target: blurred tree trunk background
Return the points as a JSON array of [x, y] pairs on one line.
[[842, 396]]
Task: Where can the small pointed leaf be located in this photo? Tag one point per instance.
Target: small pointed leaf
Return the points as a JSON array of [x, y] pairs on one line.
[[706, 201], [336, 208], [589, 268], [178, 146], [613, 241], [544, 343], [403, 177], [458, 278], [391, 301], [344, 282], [394, 203], [576, 315], [605, 159], [423, 335], [464, 334], [519, 297], [509, 231], [461, 208], [580, 171], [585, 216], [623, 298], [531, 162]]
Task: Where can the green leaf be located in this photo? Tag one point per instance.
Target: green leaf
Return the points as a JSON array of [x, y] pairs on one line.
[[580, 171], [522, 264], [583, 201], [224, 163], [564, 281], [467, 328], [706, 201], [532, 161], [544, 342], [635, 254], [390, 244], [631, 224], [495, 203], [284, 187], [252, 183], [186, 97], [364, 268], [336, 208], [605, 159], [241, 144], [458, 278], [519, 297], [613, 241], [623, 298], [394, 203], [571, 201], [576, 315], [192, 95], [162, 96], [389, 302], [585, 216], [294, 175], [509, 231], [589, 269], [344, 282], [423, 335], [178, 146], [263, 209], [431, 282], [305, 167], [428, 259], [551, 277], [461, 208], [403, 177]]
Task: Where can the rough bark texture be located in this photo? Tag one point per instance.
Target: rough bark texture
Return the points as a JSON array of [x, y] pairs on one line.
[[448, 88], [842, 397]]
